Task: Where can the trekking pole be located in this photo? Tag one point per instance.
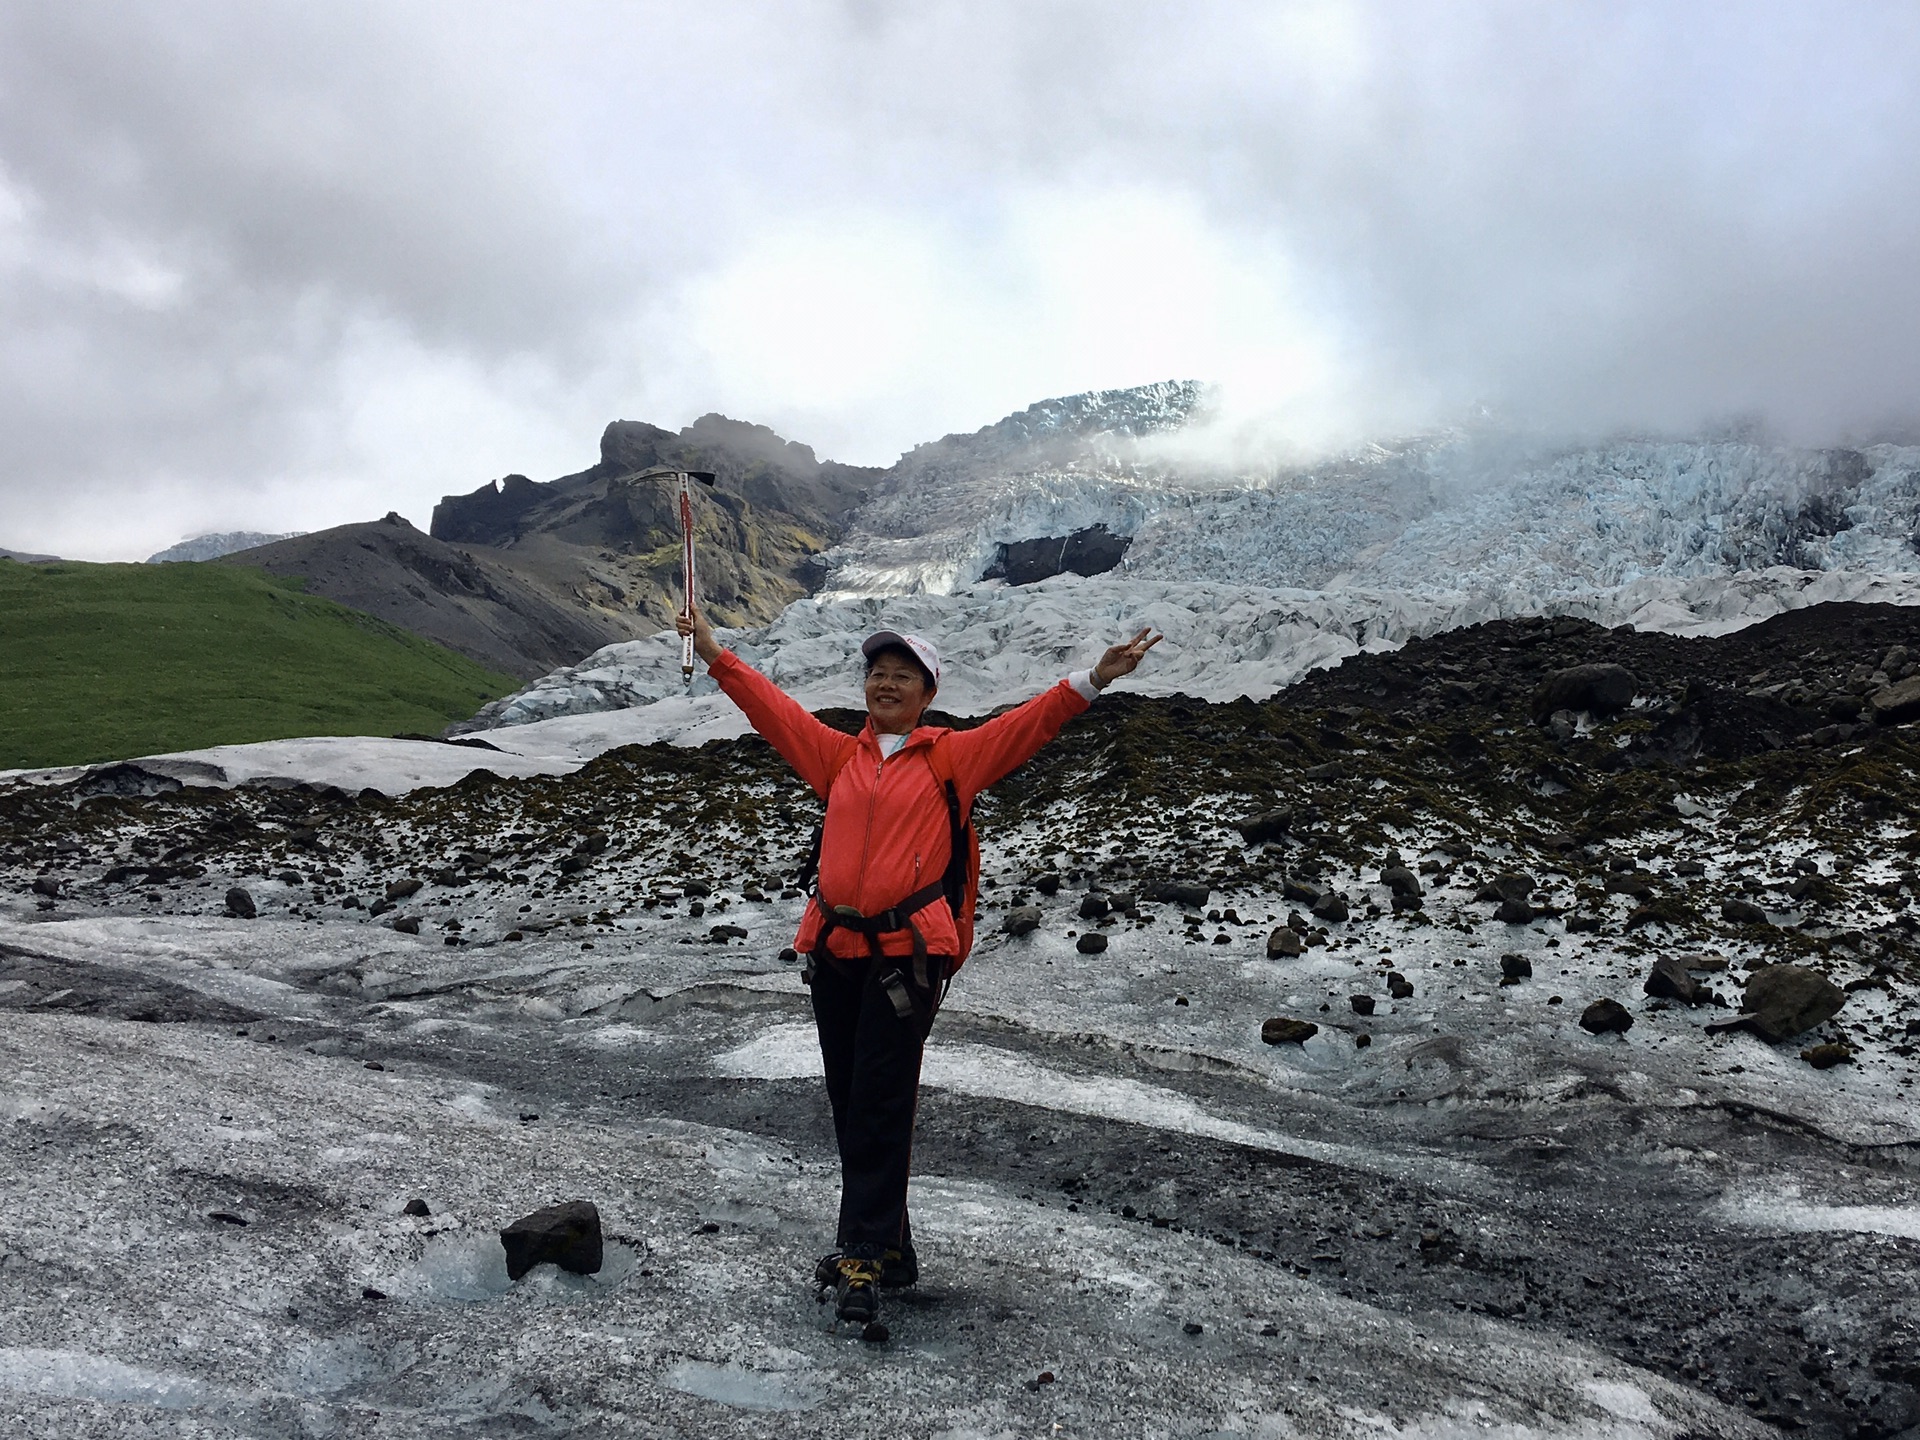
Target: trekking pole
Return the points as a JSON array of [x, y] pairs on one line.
[[687, 578], [686, 574]]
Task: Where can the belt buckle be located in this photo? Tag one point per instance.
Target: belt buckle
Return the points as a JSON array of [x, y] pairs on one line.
[[847, 912]]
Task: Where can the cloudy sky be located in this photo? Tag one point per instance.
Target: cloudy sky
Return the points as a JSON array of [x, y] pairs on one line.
[[278, 266]]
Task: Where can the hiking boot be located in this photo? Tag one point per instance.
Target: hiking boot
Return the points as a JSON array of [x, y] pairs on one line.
[[856, 1296], [898, 1269]]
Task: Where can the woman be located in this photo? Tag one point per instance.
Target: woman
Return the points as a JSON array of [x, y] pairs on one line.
[[880, 935]]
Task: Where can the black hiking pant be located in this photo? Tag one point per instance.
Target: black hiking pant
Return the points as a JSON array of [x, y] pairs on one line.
[[872, 1059]]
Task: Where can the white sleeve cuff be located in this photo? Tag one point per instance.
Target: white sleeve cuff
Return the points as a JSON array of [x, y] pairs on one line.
[[1082, 681]]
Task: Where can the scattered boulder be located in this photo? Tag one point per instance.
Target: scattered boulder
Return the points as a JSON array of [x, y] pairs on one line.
[[417, 1208], [1514, 912], [1362, 1004], [1048, 883], [1285, 943], [567, 1235], [1401, 880], [1510, 886], [1602, 689], [1267, 825], [1021, 920], [1514, 968], [1783, 1001], [1606, 1017], [1173, 892], [403, 889], [1093, 905], [1398, 986], [1825, 1057], [240, 904], [1304, 892], [1332, 907], [1897, 703], [407, 925], [724, 933], [1091, 943], [1743, 912], [696, 889], [1282, 1031], [1669, 980], [48, 886]]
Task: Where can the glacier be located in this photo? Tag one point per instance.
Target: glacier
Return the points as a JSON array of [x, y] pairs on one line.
[[1257, 574]]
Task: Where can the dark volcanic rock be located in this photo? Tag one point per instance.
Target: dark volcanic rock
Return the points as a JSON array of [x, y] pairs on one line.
[[1743, 912], [1514, 912], [1606, 1017], [1284, 943], [1093, 905], [1173, 892], [1398, 986], [1782, 1001], [1511, 886], [1401, 881], [417, 1208], [1091, 943], [1669, 980], [1515, 967], [240, 904], [1331, 906], [1282, 1031], [48, 886], [1021, 920], [1825, 1057], [1897, 703], [401, 889], [1092, 551], [1362, 1004], [1268, 825], [567, 1235], [1602, 689], [407, 925]]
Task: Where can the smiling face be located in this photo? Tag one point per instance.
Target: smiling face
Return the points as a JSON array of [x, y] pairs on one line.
[[897, 691]]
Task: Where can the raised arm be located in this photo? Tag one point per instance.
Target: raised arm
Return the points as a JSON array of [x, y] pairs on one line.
[[1005, 743], [814, 749]]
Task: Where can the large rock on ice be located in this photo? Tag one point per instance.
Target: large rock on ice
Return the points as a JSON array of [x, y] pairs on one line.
[[568, 1235], [1783, 1001]]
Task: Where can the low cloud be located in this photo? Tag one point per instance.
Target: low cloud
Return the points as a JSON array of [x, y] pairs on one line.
[[278, 266]]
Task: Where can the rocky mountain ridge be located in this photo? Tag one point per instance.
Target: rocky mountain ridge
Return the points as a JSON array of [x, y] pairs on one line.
[[526, 576]]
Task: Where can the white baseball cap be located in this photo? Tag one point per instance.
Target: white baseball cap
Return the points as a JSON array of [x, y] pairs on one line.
[[922, 650]]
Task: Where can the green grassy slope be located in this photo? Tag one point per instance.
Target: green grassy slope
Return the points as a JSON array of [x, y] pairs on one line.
[[99, 662]]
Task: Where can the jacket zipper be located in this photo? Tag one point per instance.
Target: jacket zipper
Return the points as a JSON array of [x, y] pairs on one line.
[[866, 843]]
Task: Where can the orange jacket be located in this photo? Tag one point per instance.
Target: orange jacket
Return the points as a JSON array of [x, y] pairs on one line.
[[886, 826]]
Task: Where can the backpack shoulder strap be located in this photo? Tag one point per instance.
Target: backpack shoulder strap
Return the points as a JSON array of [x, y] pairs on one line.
[[942, 763]]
